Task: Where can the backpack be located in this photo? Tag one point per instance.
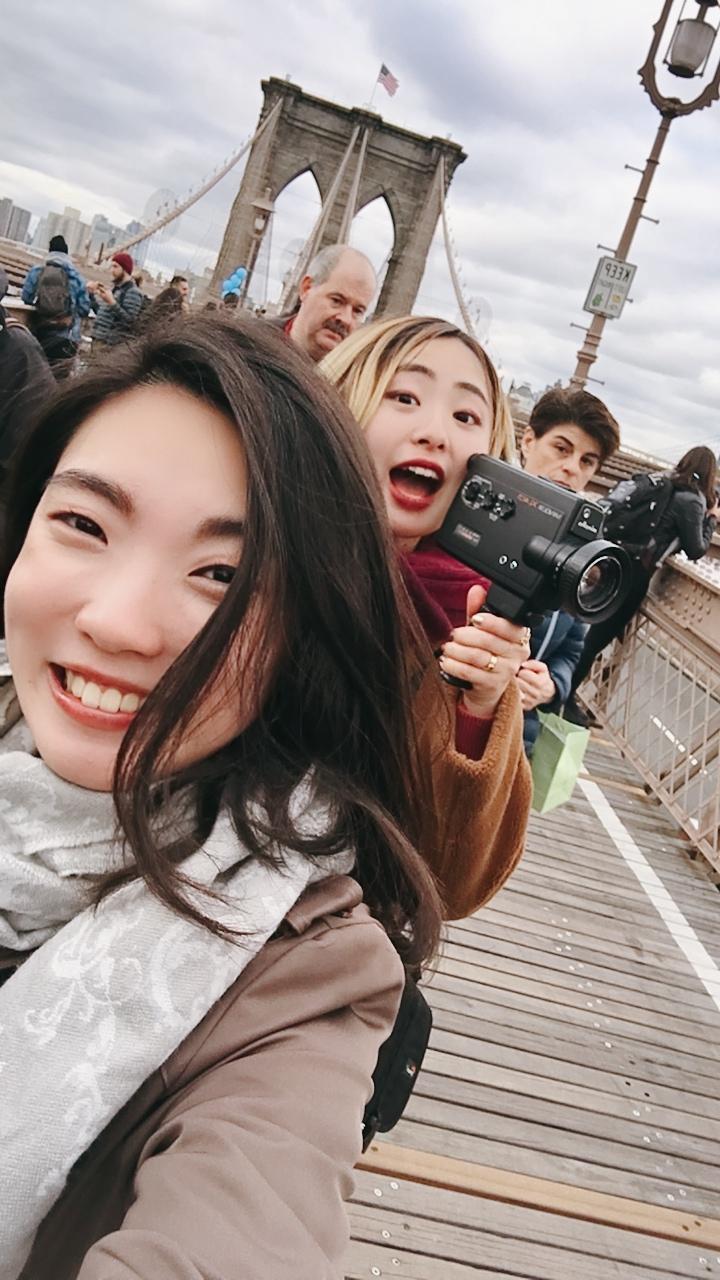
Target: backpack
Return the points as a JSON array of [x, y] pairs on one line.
[[52, 297], [634, 509], [398, 1064]]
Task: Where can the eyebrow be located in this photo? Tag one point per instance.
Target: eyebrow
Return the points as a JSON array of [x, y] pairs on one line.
[[122, 501], [428, 373], [358, 306], [587, 453]]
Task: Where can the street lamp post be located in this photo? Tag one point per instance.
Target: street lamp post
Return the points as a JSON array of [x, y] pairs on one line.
[[264, 209], [687, 56]]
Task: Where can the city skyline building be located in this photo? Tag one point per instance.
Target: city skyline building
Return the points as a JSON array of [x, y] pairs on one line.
[[14, 221]]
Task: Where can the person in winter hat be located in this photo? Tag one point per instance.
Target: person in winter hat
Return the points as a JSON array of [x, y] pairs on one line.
[[118, 307], [59, 295]]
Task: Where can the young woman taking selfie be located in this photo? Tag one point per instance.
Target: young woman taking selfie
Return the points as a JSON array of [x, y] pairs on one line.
[[206, 764], [427, 397]]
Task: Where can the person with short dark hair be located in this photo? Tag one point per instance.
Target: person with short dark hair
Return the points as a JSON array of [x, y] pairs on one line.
[[181, 284], [118, 308], [594, 438], [59, 295], [687, 524], [231, 300], [570, 435]]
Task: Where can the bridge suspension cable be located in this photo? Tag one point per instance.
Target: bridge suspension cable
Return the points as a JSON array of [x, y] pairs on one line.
[[193, 197], [454, 276], [351, 205]]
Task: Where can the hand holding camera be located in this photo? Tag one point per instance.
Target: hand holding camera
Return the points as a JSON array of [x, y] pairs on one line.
[[485, 655]]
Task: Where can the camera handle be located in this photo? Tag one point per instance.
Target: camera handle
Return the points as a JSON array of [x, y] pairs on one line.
[[455, 681]]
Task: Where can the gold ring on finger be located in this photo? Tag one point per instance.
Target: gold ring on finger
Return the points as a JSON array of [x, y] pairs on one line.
[[526, 636], [491, 663]]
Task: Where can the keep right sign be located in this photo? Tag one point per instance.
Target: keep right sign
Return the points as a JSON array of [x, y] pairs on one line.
[[610, 287]]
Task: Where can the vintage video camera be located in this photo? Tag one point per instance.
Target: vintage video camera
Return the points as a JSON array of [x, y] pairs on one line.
[[540, 544]]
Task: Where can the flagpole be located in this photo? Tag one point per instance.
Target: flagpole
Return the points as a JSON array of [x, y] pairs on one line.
[[371, 99]]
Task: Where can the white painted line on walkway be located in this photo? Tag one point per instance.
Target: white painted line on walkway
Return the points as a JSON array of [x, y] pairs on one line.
[[672, 917]]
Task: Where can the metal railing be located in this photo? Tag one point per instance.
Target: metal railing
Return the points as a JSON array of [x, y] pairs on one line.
[[657, 696]]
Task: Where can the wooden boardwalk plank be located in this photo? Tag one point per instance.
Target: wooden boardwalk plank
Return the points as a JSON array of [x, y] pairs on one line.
[[506, 1067], [560, 969], [588, 957], [581, 1041], [557, 1247], [567, 1099]]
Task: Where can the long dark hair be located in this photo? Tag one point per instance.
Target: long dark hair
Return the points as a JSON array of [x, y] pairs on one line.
[[697, 469], [318, 552]]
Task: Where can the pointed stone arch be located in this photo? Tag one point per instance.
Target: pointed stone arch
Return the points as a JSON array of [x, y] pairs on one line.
[[373, 232]]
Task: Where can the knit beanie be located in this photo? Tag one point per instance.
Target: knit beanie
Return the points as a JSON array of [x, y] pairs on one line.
[[58, 244], [125, 261]]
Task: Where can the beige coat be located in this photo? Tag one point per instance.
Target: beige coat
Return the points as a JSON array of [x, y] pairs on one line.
[[235, 1158]]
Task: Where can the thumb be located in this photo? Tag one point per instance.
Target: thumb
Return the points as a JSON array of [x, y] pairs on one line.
[[476, 598]]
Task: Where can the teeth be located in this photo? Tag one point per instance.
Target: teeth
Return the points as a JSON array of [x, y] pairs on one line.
[[90, 696], [110, 700], [426, 472], [98, 697]]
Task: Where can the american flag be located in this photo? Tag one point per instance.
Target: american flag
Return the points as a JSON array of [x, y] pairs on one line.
[[387, 80]]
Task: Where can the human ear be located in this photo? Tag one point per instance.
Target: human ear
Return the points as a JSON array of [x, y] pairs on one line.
[[527, 439]]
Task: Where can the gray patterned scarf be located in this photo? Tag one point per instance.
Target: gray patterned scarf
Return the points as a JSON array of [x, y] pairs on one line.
[[105, 995]]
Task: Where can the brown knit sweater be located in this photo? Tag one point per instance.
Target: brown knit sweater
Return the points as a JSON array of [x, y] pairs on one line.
[[477, 810]]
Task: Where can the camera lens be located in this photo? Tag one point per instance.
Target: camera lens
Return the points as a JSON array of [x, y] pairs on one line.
[[594, 580], [599, 584]]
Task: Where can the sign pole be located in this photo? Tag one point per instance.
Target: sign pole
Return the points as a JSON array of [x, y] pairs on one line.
[[588, 353]]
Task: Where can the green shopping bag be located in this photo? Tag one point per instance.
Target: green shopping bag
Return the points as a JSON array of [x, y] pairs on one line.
[[558, 755]]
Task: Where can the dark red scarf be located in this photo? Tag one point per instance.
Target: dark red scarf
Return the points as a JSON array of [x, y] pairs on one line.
[[438, 586]]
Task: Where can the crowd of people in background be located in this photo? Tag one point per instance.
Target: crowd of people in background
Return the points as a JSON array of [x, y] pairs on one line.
[[570, 435]]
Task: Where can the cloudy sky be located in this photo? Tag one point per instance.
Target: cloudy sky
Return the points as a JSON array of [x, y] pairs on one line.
[[108, 104]]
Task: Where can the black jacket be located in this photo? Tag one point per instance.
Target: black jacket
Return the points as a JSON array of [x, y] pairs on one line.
[[25, 382], [685, 526]]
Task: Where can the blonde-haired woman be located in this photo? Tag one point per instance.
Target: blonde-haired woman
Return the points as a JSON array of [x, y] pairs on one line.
[[427, 397]]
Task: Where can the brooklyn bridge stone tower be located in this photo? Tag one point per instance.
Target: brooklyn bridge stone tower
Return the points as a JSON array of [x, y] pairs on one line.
[[354, 157]]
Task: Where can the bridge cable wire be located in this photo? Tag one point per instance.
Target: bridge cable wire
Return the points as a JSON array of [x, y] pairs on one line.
[[193, 198], [351, 206], [454, 276]]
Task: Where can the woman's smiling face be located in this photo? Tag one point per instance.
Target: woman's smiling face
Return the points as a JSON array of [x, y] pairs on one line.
[[128, 554], [436, 413]]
